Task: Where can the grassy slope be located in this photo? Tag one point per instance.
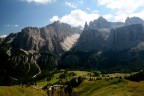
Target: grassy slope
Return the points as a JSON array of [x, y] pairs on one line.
[[113, 87], [19, 91], [87, 88], [56, 77]]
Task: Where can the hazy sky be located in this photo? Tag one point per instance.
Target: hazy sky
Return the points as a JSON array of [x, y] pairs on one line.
[[17, 14]]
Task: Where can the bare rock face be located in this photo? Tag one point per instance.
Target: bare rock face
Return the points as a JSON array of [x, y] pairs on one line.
[[102, 35], [69, 42], [92, 39], [134, 20], [125, 37], [43, 39], [100, 23], [94, 36]]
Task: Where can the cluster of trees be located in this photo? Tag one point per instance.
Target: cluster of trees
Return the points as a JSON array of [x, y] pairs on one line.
[[108, 61], [65, 74], [74, 82], [139, 76]]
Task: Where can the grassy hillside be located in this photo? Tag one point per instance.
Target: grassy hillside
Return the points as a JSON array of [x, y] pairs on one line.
[[57, 75], [115, 87], [20, 91]]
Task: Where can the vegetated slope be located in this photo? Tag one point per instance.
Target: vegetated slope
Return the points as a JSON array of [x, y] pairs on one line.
[[109, 85], [20, 91], [115, 87]]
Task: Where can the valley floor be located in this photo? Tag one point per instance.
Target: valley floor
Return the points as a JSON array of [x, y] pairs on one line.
[[89, 87]]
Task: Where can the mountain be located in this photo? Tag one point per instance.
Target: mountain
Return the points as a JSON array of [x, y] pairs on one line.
[[107, 38], [1, 39], [92, 39], [134, 20], [105, 47], [126, 37], [34, 51], [49, 38], [101, 23], [102, 45]]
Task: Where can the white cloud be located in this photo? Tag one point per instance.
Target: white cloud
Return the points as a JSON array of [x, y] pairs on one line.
[[73, 5], [77, 17], [15, 25], [138, 14], [40, 1], [3, 36], [54, 18], [88, 8], [8, 25], [80, 2], [108, 16], [123, 8]]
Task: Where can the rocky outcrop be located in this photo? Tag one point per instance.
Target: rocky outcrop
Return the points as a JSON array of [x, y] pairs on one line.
[[1, 39], [100, 23], [134, 20], [28, 53], [92, 39], [126, 37], [102, 35], [43, 39], [68, 43]]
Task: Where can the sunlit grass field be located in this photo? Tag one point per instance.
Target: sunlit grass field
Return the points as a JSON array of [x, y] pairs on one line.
[[20, 91], [113, 87], [110, 87]]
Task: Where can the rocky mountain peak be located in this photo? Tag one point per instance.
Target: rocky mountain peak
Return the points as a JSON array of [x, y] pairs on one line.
[[56, 23], [43, 39], [100, 23], [103, 35], [133, 20], [101, 19], [86, 26]]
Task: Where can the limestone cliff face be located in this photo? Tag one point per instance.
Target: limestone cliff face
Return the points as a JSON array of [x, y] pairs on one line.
[[100, 23], [92, 39], [94, 36], [102, 35], [134, 20], [126, 37], [43, 39]]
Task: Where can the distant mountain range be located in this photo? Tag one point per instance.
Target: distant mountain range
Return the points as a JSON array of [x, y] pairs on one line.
[[108, 45], [102, 45], [102, 35]]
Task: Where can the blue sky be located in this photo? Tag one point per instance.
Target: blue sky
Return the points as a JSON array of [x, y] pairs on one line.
[[17, 14]]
